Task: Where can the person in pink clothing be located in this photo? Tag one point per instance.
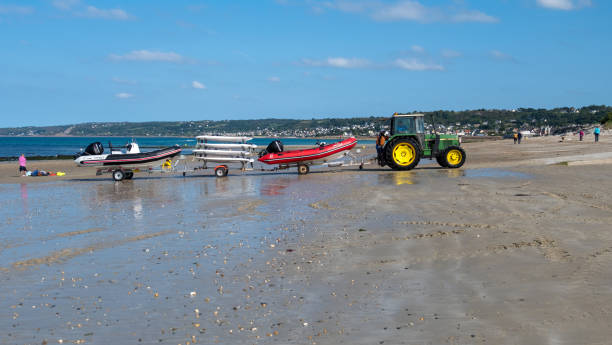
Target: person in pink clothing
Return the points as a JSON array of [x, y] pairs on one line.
[[22, 165]]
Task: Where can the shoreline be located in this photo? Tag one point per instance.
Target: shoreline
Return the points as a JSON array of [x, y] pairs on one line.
[[175, 136]]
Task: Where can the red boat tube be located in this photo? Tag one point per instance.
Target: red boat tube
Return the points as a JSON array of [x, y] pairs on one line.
[[308, 155]]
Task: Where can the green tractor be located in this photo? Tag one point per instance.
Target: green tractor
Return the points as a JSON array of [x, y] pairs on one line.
[[408, 143]]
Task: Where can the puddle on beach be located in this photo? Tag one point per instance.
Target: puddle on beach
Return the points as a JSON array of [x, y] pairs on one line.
[[397, 178], [494, 173], [430, 175]]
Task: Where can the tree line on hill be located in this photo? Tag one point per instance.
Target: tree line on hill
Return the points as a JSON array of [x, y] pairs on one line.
[[493, 120]]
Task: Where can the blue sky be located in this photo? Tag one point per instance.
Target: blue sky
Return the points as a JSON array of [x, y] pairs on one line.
[[71, 61]]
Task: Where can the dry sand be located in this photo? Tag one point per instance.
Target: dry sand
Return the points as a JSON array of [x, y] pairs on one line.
[[514, 248]]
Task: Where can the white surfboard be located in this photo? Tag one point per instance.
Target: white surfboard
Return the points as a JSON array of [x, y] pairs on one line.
[[228, 146], [222, 152], [222, 138], [225, 159]]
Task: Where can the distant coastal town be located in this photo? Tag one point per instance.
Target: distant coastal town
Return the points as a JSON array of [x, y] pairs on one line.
[[481, 122]]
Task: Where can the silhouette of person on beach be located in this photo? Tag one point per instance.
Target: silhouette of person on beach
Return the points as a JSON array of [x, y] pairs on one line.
[[380, 143], [581, 133], [520, 136], [22, 165], [596, 133], [515, 136]]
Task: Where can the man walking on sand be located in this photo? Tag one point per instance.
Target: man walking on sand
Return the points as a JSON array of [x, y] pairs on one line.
[[581, 133], [22, 165], [596, 132]]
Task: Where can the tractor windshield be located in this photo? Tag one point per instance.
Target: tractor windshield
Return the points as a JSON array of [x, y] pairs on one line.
[[408, 125]]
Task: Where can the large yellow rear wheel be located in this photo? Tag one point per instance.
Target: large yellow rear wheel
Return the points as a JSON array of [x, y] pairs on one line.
[[403, 154], [453, 157]]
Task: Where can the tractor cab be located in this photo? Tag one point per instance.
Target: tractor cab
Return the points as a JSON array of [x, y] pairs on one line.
[[407, 124]]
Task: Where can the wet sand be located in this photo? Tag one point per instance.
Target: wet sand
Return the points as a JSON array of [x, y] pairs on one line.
[[514, 248]]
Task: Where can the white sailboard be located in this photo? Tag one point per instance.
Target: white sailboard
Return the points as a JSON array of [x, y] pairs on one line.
[[222, 138]]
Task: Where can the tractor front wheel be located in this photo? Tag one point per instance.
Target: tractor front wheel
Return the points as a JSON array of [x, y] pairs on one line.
[[441, 160], [403, 154], [453, 157]]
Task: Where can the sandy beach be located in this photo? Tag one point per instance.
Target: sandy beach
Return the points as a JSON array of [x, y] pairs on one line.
[[513, 248]]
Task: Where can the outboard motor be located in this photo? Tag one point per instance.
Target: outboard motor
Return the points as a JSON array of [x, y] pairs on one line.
[[274, 147], [91, 149], [94, 149]]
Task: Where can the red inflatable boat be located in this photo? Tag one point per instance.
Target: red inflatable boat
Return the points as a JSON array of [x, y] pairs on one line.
[[274, 153]]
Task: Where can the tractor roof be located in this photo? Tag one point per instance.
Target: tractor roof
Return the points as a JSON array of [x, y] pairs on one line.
[[404, 115]]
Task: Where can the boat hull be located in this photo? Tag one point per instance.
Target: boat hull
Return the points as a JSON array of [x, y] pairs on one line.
[[309, 156], [128, 159]]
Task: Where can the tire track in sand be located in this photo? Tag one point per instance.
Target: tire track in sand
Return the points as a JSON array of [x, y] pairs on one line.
[[52, 237], [69, 253]]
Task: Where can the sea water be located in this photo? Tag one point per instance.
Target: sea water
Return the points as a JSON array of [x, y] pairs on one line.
[[52, 146]]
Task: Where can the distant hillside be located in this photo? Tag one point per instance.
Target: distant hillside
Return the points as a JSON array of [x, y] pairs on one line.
[[492, 120]]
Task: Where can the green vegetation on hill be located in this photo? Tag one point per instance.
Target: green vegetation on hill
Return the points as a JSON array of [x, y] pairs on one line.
[[606, 121], [490, 120]]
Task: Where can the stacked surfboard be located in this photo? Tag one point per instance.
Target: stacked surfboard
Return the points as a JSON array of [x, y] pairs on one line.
[[224, 149]]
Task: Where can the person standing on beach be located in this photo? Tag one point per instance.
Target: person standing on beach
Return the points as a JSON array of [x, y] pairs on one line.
[[520, 136], [596, 132], [380, 143], [22, 165], [515, 136], [581, 134]]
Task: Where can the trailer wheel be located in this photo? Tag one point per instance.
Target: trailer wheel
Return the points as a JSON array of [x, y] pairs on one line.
[[129, 175], [118, 175], [221, 171], [454, 157], [303, 169]]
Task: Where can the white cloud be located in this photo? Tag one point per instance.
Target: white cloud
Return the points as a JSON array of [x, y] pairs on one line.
[[94, 12], [497, 55], [13, 9], [565, 5], [473, 16], [65, 4], [124, 95], [417, 49], [274, 79], [449, 53], [407, 10], [147, 55], [80, 9], [411, 64], [338, 62], [417, 65], [346, 63], [197, 85]]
